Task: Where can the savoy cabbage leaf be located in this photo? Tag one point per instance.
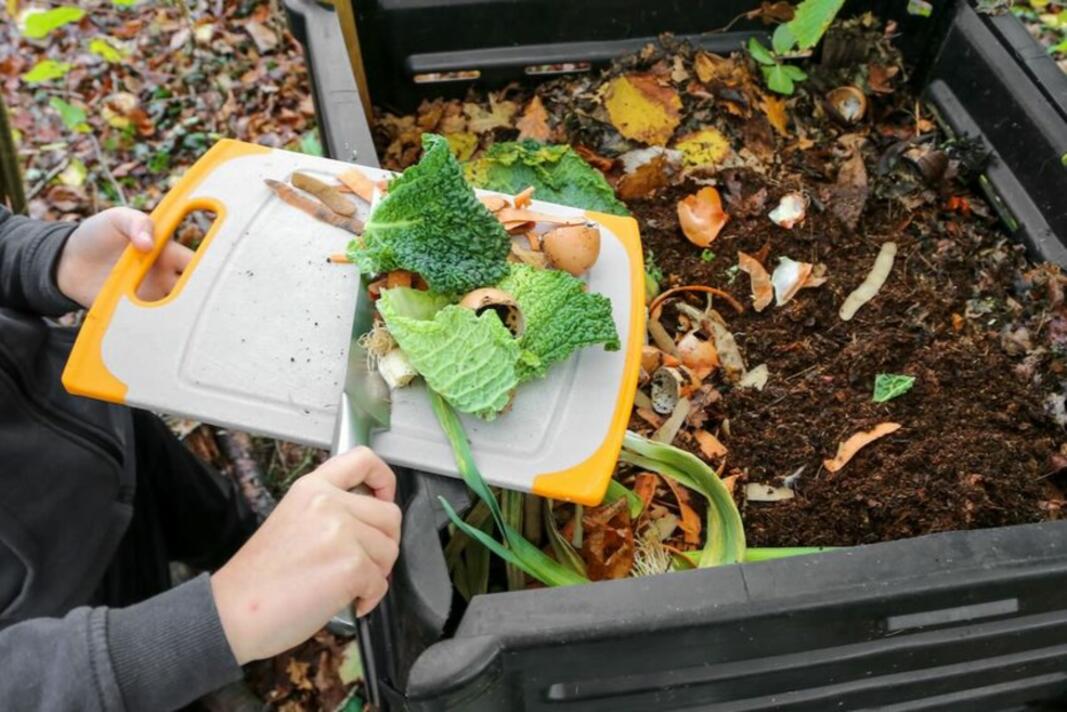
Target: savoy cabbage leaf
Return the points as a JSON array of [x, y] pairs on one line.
[[431, 223], [561, 317], [557, 173], [470, 360]]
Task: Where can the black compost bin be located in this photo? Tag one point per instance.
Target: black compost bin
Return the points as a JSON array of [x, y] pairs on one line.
[[957, 621]]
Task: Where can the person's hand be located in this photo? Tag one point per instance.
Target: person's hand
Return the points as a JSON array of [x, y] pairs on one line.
[[322, 548], [95, 246]]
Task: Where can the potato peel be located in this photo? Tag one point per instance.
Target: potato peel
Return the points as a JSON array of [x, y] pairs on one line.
[[848, 449]]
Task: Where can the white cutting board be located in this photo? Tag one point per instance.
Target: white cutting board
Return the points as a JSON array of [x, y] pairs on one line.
[[255, 337]]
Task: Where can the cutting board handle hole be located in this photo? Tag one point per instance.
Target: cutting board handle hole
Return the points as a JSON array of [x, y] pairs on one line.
[[189, 233]]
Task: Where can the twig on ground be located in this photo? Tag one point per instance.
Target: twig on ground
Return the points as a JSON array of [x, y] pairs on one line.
[[237, 447]]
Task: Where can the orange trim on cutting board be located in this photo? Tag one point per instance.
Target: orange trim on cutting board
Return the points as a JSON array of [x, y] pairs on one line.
[[86, 374], [586, 482]]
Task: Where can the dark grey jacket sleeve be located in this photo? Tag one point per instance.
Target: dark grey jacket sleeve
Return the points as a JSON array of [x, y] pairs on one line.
[[160, 654], [29, 251]]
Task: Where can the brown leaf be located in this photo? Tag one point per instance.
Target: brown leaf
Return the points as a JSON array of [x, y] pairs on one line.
[[709, 445], [879, 78], [848, 197], [499, 115], [298, 674], [534, 121], [774, 110], [711, 67], [264, 37], [690, 523], [608, 541], [594, 159], [646, 180], [645, 485], [775, 12]]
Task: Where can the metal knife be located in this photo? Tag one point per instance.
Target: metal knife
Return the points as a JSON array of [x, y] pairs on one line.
[[364, 406]]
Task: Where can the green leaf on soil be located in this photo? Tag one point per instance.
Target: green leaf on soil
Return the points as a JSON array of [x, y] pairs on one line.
[[36, 24], [73, 116], [105, 50], [46, 70], [777, 79], [888, 386], [759, 53], [811, 20], [782, 40], [707, 256], [920, 8], [795, 73], [124, 3]]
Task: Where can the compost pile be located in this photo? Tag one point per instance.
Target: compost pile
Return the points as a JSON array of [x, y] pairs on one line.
[[954, 365]]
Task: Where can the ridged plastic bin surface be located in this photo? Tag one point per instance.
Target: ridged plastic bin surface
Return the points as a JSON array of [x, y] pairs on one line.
[[956, 621]]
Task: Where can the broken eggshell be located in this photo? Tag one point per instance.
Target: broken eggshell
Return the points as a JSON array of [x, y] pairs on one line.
[[791, 210], [848, 102], [505, 306], [572, 249], [669, 383]]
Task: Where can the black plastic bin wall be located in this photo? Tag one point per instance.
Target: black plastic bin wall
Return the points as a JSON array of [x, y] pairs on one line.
[[956, 621]]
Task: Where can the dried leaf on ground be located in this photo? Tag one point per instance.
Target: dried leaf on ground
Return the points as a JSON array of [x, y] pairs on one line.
[[499, 115], [848, 449], [703, 149], [774, 109], [646, 180], [534, 122], [642, 109], [608, 541], [645, 485], [848, 197], [690, 521]]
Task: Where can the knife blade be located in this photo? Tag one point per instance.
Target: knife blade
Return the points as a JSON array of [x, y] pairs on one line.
[[364, 405]]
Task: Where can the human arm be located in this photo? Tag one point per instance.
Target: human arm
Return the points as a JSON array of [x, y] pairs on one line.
[[52, 268], [322, 547]]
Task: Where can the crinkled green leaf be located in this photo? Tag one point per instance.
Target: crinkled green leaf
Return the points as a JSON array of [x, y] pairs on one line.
[[36, 24], [888, 386], [47, 70], [561, 317], [469, 359], [811, 20], [759, 52], [432, 223], [557, 174]]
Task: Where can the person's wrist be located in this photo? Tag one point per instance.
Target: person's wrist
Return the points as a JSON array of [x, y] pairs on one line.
[[230, 617]]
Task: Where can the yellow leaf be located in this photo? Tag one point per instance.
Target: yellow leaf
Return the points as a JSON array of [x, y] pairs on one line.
[[74, 174], [498, 116], [463, 145], [774, 109], [114, 118], [642, 109], [706, 147]]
